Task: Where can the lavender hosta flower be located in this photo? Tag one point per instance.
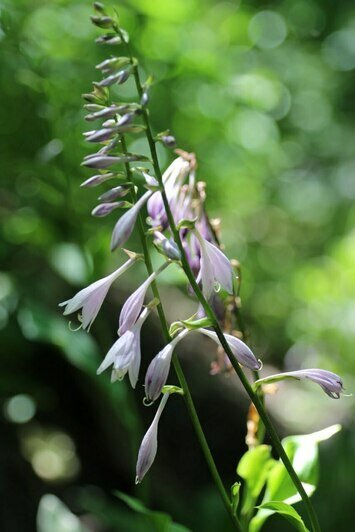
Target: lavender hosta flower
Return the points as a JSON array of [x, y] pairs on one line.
[[215, 268], [148, 449], [330, 382], [158, 369], [134, 303], [125, 225], [240, 350], [173, 178], [91, 298], [125, 353]]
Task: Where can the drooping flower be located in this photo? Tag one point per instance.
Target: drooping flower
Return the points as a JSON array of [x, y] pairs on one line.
[[134, 303], [158, 369], [125, 225], [125, 353], [173, 179], [91, 298], [240, 350], [148, 449], [215, 268], [330, 382]]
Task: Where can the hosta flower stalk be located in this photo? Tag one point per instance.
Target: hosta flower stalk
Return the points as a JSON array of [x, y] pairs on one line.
[[179, 227]]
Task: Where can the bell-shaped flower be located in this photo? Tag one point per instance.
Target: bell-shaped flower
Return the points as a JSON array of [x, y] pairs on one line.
[[173, 178], [91, 298], [215, 270], [125, 225], [330, 382], [158, 369], [125, 354], [134, 303], [148, 449], [240, 350]]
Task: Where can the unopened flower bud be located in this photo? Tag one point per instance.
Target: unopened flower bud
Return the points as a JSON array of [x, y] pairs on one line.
[[125, 119], [99, 7], [102, 22], [118, 78], [96, 180], [109, 66], [100, 161], [148, 449], [117, 192], [106, 112], [158, 369], [101, 135], [169, 141], [144, 99], [106, 208], [125, 225], [109, 38]]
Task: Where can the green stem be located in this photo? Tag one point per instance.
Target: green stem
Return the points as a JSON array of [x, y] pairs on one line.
[[178, 369], [210, 314]]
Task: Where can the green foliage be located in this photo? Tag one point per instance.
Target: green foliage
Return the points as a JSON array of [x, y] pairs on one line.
[[156, 521], [257, 468], [285, 510]]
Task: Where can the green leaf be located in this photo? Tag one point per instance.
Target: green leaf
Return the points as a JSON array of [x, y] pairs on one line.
[[235, 489], [160, 521], [254, 467], [288, 512], [303, 453]]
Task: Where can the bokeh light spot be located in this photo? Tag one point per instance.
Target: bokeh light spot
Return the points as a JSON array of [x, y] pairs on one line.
[[267, 29], [20, 408]]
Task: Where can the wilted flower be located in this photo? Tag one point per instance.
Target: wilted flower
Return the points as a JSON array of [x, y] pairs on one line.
[[125, 225], [215, 268], [134, 303], [91, 298], [158, 370], [240, 350], [149, 445], [125, 354], [331, 383]]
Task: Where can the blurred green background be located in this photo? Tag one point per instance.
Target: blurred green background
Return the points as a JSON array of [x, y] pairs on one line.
[[264, 93]]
